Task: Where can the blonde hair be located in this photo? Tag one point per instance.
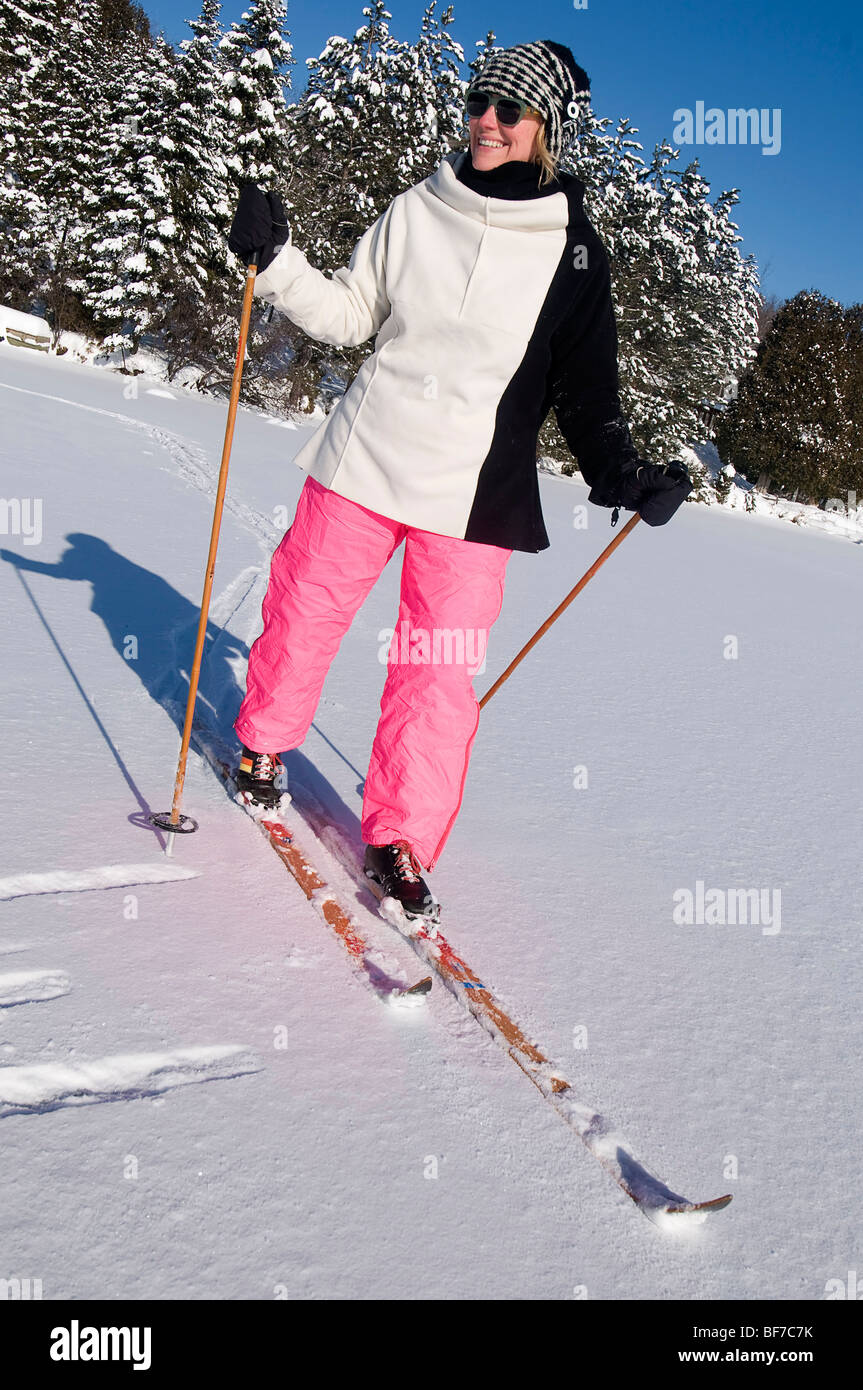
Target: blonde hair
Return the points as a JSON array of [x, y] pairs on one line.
[[542, 157]]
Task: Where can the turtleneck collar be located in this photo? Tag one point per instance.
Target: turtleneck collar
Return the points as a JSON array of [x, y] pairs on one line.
[[500, 204], [514, 179]]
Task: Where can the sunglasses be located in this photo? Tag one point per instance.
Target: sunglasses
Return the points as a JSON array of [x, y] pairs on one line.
[[507, 109]]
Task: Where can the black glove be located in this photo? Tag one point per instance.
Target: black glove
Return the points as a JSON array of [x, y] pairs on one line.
[[259, 224], [653, 490]]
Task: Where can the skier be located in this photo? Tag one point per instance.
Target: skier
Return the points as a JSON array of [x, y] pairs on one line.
[[488, 292]]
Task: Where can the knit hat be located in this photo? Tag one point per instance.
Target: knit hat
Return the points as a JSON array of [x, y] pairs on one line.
[[546, 76]]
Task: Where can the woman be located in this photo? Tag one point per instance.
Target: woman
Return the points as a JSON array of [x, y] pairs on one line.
[[488, 290]]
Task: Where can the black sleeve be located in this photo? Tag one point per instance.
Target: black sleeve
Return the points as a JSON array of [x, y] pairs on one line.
[[583, 380]]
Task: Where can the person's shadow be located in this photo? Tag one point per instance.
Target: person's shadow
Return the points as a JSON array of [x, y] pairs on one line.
[[153, 628]]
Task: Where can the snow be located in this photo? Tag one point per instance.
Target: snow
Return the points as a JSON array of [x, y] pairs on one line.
[[137, 1074], [712, 707], [83, 880], [841, 516], [24, 323], [27, 986]]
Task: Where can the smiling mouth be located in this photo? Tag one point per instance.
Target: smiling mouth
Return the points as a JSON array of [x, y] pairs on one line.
[[489, 144]]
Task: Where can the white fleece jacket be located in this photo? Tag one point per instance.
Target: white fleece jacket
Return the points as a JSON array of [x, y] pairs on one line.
[[482, 320]]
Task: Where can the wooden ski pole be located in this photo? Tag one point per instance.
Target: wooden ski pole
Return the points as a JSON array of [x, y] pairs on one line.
[[633, 521], [173, 821]]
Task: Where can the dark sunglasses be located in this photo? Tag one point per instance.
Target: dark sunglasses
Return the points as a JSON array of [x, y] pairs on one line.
[[507, 109]]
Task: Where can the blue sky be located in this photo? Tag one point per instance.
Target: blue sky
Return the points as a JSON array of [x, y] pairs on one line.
[[801, 209]]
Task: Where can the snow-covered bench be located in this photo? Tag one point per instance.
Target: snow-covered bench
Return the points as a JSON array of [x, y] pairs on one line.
[[24, 330]]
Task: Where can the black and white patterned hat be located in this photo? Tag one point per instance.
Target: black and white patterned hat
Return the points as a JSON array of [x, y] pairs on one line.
[[544, 74]]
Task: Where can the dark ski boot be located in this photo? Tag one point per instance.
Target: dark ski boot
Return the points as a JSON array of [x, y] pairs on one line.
[[395, 872], [256, 778]]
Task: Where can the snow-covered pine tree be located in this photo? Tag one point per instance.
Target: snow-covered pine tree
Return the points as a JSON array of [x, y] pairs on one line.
[[723, 481], [848, 474], [199, 284], [705, 299], [63, 95], [484, 50], [103, 32], [348, 134], [626, 211], [26, 42], [257, 56], [132, 232], [429, 75]]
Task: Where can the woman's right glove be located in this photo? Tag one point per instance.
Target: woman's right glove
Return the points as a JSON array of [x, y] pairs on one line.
[[260, 224]]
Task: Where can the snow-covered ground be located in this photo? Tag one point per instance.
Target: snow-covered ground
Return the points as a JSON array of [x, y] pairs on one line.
[[199, 1099]]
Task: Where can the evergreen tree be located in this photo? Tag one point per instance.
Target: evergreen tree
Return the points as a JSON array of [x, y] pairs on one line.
[[61, 97], [25, 47], [199, 281], [257, 55], [797, 421], [348, 134], [485, 48], [427, 72], [58, 161], [131, 231], [848, 469]]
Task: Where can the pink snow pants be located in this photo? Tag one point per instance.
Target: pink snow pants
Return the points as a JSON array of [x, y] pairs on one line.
[[451, 594]]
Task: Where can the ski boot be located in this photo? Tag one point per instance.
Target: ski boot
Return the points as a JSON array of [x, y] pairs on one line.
[[257, 776], [394, 871]]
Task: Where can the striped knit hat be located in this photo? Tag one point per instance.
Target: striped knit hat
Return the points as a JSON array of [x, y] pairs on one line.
[[546, 76]]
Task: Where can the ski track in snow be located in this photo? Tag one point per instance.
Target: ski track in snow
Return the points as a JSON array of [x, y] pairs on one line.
[[234, 595], [127, 1076], [32, 986], [191, 462], [82, 880], [249, 584]]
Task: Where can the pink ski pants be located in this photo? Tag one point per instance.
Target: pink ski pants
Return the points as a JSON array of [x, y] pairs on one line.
[[451, 594]]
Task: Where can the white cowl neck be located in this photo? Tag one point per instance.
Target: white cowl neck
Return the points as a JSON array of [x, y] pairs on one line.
[[547, 214]]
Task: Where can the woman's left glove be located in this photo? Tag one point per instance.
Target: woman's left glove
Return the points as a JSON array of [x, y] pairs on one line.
[[654, 490]]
